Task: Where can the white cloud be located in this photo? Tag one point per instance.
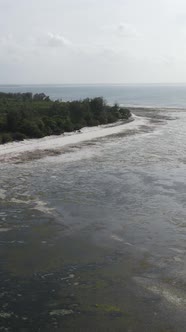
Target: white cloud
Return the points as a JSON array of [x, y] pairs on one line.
[[92, 40], [127, 30], [57, 40], [10, 49], [123, 29]]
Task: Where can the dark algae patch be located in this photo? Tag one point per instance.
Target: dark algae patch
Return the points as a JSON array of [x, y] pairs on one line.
[[74, 295], [46, 288], [47, 300]]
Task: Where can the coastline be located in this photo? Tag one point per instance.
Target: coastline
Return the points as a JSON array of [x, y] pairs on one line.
[[56, 144], [37, 148]]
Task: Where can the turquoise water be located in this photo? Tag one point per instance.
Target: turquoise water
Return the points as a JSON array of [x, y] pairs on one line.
[[129, 95]]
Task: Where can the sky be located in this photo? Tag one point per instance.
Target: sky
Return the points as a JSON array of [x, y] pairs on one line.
[[92, 41]]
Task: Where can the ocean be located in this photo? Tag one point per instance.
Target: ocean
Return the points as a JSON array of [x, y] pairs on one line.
[[152, 95]]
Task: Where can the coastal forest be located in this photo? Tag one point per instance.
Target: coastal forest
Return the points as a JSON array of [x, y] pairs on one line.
[[27, 115]]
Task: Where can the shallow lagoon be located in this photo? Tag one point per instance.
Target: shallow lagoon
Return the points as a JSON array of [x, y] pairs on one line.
[[93, 238]]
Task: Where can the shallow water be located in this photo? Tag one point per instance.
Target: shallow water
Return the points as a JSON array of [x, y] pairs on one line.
[[92, 237]]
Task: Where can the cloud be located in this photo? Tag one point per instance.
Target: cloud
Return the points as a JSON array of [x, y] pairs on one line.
[[56, 40], [126, 30], [123, 29], [17, 50], [10, 49], [6, 40]]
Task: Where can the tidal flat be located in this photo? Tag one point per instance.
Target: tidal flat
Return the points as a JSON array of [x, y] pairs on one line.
[[93, 239]]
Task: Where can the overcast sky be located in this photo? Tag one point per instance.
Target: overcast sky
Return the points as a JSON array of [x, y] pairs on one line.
[[92, 41]]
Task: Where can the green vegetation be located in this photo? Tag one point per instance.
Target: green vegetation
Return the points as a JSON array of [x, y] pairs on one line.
[[108, 308], [24, 115]]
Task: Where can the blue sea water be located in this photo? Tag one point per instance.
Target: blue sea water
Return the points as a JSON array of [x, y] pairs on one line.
[[152, 95]]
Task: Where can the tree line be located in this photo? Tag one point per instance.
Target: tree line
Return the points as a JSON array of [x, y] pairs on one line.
[[27, 115]]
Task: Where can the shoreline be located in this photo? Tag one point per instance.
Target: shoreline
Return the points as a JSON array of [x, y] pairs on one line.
[[154, 108], [51, 144], [37, 148]]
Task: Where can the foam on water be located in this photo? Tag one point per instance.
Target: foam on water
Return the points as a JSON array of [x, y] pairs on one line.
[[2, 194], [170, 294], [36, 205]]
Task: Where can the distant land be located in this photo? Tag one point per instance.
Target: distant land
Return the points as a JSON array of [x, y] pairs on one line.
[[128, 95], [27, 115]]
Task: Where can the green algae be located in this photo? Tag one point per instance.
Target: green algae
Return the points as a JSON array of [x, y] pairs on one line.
[[99, 284], [61, 312], [144, 264], [108, 308]]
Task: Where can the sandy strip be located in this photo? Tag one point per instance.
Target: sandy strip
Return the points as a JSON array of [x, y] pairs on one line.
[[55, 142]]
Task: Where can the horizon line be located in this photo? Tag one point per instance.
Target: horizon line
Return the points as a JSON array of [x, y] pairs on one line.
[[91, 84]]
